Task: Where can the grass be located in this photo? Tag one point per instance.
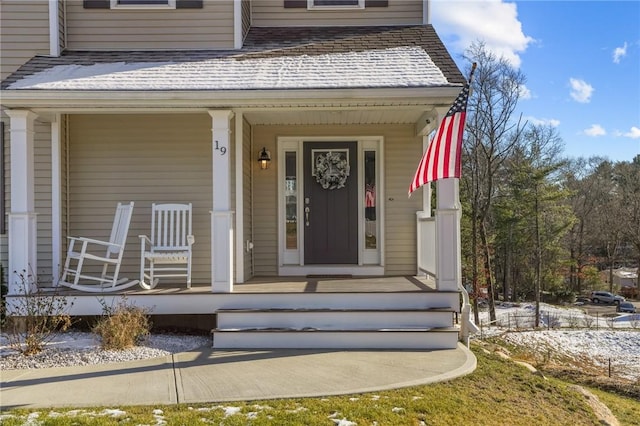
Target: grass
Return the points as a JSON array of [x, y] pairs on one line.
[[499, 392]]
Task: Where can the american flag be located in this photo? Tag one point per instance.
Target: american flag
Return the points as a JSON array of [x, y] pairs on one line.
[[441, 160]]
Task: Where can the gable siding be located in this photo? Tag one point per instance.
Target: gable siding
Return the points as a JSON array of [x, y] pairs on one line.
[[24, 32], [147, 29], [146, 159], [62, 30], [402, 151], [271, 13], [246, 17]]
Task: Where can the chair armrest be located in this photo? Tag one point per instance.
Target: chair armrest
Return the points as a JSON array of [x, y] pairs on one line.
[[191, 239], [145, 238], [92, 241]]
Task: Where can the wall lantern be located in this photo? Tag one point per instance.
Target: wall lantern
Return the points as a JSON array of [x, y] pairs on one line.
[[264, 159]]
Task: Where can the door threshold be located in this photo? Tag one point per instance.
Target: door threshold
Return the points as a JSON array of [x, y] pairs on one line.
[[321, 271]]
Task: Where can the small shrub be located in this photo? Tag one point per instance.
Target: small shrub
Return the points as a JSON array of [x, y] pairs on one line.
[[588, 321], [122, 326], [35, 317], [3, 299], [573, 321]]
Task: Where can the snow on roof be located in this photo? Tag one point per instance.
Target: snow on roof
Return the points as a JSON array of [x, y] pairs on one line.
[[397, 67]]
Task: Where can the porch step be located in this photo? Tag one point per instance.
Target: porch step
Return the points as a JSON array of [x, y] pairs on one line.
[[309, 338], [340, 300], [333, 328], [335, 319]]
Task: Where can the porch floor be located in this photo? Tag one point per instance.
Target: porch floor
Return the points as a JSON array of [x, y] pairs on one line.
[[310, 284]]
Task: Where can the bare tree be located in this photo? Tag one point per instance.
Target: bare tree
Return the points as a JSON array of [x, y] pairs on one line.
[[492, 132]]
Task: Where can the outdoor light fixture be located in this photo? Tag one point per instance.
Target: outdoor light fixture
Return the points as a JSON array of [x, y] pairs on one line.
[[264, 158]]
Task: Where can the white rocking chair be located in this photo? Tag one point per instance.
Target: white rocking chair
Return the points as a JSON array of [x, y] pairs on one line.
[[91, 253], [170, 244]]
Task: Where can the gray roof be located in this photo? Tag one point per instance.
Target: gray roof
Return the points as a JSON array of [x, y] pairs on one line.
[[271, 58]]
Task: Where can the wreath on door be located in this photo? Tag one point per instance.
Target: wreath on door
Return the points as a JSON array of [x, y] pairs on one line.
[[332, 170]]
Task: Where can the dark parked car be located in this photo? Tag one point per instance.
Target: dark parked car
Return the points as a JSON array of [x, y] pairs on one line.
[[606, 297], [626, 307]]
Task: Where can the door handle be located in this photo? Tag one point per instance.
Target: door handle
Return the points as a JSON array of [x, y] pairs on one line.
[[306, 215]]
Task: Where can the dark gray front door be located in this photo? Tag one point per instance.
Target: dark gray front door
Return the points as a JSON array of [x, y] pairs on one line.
[[330, 203]]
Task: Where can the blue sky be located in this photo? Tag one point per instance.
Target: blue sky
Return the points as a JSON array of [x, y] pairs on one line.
[[581, 60]]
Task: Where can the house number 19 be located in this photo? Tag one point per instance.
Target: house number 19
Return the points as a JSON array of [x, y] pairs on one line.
[[222, 149]]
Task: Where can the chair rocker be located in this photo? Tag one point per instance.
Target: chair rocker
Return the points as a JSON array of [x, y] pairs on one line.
[[88, 252], [170, 244]]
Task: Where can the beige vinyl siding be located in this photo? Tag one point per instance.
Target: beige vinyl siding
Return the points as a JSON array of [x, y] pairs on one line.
[[42, 172], [247, 176], [145, 159], [271, 13], [402, 154], [150, 29], [401, 150], [62, 30], [24, 32]]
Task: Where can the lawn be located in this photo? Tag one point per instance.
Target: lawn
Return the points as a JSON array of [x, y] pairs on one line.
[[499, 392]]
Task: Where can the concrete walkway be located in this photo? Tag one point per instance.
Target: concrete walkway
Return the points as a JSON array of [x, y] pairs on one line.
[[211, 375]]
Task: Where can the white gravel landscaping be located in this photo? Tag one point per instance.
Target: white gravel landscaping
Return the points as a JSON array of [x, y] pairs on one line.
[[81, 348]]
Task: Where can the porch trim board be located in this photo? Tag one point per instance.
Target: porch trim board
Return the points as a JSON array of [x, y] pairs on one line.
[[186, 302]]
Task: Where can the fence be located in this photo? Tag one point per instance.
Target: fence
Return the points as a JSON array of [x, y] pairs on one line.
[[519, 321]]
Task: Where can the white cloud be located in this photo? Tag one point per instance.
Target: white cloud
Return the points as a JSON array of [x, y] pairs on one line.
[[595, 130], [525, 93], [493, 22], [634, 133], [543, 121], [581, 91], [619, 52]]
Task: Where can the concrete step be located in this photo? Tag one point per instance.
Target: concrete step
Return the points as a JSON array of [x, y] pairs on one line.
[[332, 319], [281, 338]]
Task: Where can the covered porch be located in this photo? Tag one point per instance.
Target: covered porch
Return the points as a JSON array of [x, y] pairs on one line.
[[236, 236]]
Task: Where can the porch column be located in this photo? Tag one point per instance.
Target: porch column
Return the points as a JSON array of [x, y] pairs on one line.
[[22, 231], [221, 214], [448, 258], [448, 214], [56, 198]]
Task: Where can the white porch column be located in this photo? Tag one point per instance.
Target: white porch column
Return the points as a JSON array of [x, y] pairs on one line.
[[240, 244], [56, 198], [22, 231], [448, 214], [448, 258], [221, 214]]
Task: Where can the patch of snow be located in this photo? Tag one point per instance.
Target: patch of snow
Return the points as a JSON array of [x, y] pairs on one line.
[[231, 411], [392, 67], [343, 422], [597, 346]]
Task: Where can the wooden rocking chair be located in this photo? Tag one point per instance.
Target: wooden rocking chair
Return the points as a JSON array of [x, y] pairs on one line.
[[107, 254], [170, 244]]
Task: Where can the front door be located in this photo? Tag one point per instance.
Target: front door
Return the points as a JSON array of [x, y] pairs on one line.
[[330, 203]]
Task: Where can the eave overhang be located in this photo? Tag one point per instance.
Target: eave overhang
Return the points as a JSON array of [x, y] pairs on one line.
[[75, 101]]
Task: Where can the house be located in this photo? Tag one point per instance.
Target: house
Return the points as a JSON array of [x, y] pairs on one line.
[[107, 101], [624, 280]]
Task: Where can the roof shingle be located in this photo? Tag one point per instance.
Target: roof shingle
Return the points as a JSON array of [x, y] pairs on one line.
[[272, 58]]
